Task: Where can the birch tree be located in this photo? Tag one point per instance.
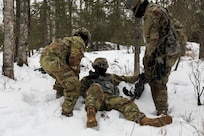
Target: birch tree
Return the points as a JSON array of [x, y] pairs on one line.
[[46, 20], [17, 29], [52, 18], [8, 47], [138, 36], [23, 33]]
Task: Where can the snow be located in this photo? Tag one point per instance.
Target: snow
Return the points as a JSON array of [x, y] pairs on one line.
[[28, 106]]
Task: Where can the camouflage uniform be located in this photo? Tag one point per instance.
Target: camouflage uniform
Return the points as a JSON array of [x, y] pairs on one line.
[[154, 26], [163, 47], [61, 60], [103, 94]]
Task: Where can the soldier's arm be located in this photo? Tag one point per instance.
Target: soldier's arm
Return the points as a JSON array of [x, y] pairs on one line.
[[154, 20], [75, 57], [130, 79], [84, 85]]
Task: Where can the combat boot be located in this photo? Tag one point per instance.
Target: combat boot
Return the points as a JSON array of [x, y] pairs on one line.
[[157, 122], [91, 117], [67, 114]]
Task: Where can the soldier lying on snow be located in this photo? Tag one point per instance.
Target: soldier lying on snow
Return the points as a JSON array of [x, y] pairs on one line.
[[101, 93]]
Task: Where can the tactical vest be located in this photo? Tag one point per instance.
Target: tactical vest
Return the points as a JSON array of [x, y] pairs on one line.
[[106, 84]]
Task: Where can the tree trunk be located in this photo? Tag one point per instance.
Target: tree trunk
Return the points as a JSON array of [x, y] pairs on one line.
[[29, 27], [70, 4], [138, 37], [9, 42], [17, 29], [52, 18], [23, 34], [46, 22], [201, 52]]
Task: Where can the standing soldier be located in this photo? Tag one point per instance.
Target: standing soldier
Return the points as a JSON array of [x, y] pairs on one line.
[[165, 40], [102, 94], [61, 60]]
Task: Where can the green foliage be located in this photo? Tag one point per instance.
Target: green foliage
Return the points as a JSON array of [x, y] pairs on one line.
[[37, 27], [191, 15], [106, 20]]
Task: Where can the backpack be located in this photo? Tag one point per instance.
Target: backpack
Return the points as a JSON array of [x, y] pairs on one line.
[[175, 38], [173, 46]]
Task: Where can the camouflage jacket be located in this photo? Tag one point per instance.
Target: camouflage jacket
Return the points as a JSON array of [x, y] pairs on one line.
[[108, 82], [155, 23], [68, 50]]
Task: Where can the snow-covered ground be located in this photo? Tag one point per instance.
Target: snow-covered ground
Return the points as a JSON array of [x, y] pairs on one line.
[[28, 106]]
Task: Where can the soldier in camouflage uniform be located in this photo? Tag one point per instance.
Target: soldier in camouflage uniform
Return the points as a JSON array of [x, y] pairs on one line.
[[101, 93], [61, 60], [159, 57]]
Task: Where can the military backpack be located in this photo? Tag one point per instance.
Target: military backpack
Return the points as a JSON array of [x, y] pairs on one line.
[[173, 39]]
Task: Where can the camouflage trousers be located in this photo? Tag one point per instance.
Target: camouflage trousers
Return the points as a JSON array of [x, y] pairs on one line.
[[103, 101], [66, 80], [158, 87]]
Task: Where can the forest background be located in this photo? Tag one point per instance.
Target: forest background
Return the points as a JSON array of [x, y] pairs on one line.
[[107, 20], [33, 24]]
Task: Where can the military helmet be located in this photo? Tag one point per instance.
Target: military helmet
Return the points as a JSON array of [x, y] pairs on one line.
[[130, 4], [101, 63], [83, 33]]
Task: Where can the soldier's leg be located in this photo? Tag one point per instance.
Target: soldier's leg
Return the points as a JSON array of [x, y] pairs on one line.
[[70, 99], [59, 89], [131, 112], [93, 102], [94, 96], [127, 107], [67, 79], [160, 96], [55, 68], [159, 88], [71, 93]]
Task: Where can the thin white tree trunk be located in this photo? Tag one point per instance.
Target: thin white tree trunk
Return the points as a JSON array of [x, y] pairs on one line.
[[138, 36], [52, 18], [8, 48], [23, 34], [48, 21]]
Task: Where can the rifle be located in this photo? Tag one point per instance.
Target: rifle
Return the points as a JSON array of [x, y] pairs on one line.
[[139, 88]]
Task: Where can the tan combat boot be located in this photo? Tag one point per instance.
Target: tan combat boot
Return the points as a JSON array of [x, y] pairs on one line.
[[91, 119], [157, 122]]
